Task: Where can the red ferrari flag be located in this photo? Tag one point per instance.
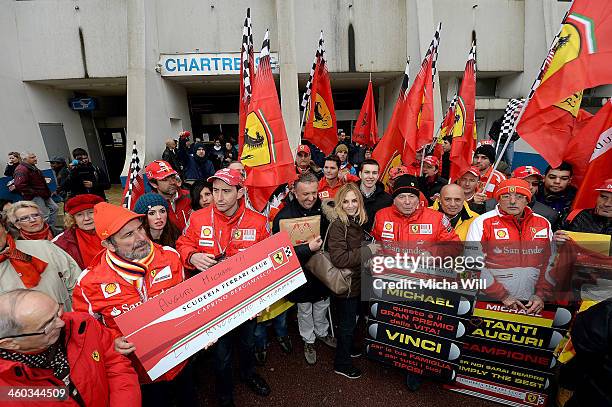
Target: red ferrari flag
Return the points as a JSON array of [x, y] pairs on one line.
[[266, 154], [464, 126], [321, 127], [595, 140], [417, 122], [366, 129], [247, 71], [388, 152], [578, 59]]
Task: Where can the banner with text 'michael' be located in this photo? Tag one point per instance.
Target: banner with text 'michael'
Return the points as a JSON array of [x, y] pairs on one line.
[[179, 322]]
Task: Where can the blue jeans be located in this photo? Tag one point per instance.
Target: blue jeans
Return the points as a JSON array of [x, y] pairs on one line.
[[224, 385], [347, 310], [261, 332]]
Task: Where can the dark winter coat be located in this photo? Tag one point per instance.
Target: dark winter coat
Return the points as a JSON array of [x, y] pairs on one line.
[[86, 172], [588, 222], [30, 182], [561, 203], [375, 202], [431, 188], [313, 290], [345, 244]]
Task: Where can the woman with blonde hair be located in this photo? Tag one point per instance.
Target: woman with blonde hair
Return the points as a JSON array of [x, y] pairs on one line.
[[26, 217], [345, 243]]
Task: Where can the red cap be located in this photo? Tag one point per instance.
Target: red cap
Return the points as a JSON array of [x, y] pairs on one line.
[[472, 170], [526, 171], [159, 169], [81, 202], [486, 143], [397, 171], [432, 160], [515, 185], [109, 219], [185, 134], [303, 148], [229, 176], [606, 186]]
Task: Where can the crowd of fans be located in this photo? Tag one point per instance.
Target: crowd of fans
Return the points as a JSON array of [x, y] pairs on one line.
[[62, 288]]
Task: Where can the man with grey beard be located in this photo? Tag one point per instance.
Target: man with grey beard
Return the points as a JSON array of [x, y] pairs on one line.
[[130, 271]]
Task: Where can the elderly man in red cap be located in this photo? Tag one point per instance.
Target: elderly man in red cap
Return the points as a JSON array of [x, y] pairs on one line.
[[164, 180], [533, 177], [130, 271], [214, 233], [516, 242], [79, 239]]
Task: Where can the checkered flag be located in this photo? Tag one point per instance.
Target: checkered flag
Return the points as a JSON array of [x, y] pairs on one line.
[[511, 113], [134, 184], [320, 53], [247, 58], [433, 48]]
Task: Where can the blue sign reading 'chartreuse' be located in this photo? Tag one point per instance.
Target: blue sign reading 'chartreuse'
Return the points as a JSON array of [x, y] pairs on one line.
[[206, 64]]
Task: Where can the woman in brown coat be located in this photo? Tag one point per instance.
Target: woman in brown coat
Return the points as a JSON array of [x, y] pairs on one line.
[[345, 243]]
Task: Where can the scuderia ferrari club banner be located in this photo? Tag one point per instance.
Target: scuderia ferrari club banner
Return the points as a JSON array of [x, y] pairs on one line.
[[184, 319]]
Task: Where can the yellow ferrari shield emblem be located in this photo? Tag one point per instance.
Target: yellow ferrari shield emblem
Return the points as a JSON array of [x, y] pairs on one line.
[[322, 116], [95, 355], [256, 150], [458, 126]]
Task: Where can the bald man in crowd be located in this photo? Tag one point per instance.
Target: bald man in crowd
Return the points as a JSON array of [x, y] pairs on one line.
[[452, 203]]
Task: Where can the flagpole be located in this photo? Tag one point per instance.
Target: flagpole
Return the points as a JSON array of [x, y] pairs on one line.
[[534, 87]]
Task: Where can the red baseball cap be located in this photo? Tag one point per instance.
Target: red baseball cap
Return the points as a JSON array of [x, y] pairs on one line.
[[472, 170], [229, 176], [397, 171], [432, 160], [606, 186], [303, 148], [526, 171], [159, 169]]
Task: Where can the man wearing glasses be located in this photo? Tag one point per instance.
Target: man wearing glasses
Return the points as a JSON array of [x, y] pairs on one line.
[[516, 242], [164, 180], [65, 357]]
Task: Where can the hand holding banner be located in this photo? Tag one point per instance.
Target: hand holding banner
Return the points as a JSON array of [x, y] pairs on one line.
[[184, 319]]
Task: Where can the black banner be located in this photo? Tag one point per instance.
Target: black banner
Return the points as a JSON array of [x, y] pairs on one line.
[[408, 317], [521, 356], [412, 362], [441, 301], [414, 341], [514, 376]]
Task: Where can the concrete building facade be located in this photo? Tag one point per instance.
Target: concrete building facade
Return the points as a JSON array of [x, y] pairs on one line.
[[156, 67]]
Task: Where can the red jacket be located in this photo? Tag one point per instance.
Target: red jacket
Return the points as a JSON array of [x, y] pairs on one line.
[[179, 210], [30, 182], [67, 241], [210, 231], [102, 376], [327, 191], [103, 293], [513, 245], [424, 224], [495, 179]]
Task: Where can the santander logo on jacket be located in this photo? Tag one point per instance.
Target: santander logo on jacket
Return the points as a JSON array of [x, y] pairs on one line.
[[211, 231]]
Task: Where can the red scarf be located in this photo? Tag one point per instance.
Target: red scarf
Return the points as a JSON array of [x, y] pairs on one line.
[[43, 234], [89, 244], [27, 266]]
